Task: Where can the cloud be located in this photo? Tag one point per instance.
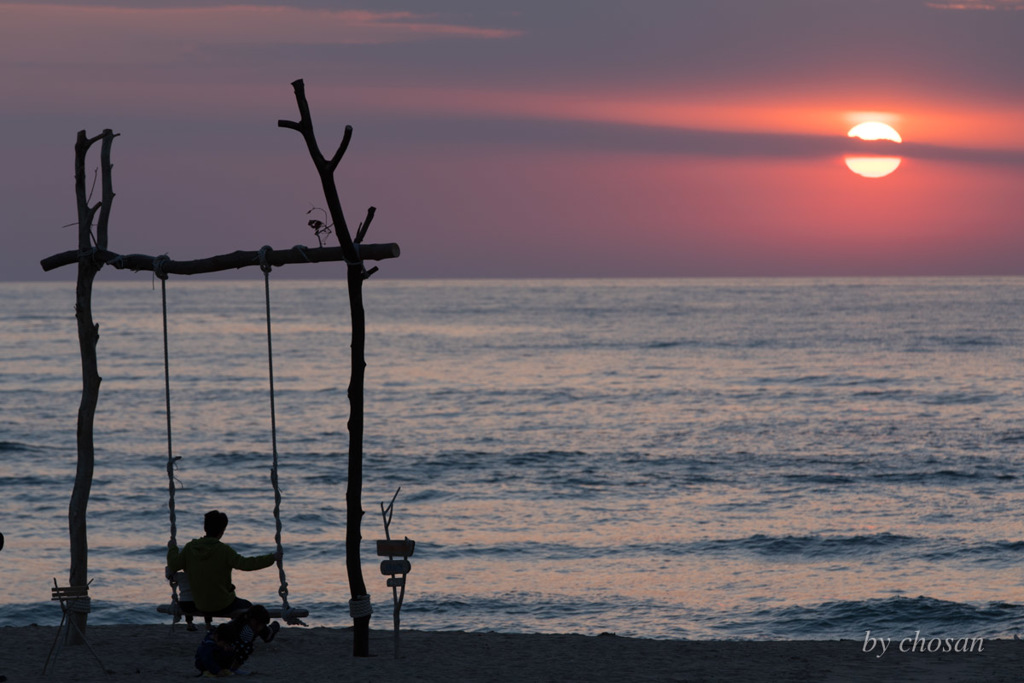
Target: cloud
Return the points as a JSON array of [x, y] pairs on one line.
[[60, 33], [628, 138], [977, 4]]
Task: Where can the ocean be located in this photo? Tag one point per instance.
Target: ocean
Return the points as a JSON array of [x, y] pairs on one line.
[[693, 458]]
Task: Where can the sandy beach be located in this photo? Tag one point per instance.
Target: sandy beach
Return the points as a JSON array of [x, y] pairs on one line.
[[162, 653]]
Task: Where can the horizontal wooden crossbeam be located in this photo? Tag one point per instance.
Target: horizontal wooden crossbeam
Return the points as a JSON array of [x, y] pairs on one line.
[[234, 260]]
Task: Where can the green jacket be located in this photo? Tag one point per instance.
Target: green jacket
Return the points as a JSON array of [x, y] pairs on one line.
[[208, 563]]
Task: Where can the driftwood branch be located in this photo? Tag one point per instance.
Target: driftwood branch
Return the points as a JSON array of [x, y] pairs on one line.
[[325, 169], [88, 337], [354, 255], [107, 199], [87, 213], [212, 264], [364, 226], [305, 126], [336, 159]]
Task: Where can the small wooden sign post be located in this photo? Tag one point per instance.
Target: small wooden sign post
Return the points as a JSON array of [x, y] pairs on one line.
[[395, 569]]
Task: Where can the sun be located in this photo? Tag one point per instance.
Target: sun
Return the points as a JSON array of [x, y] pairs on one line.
[[874, 130], [873, 166]]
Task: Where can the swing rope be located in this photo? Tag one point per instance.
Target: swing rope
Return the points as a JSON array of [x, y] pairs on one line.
[[287, 612], [171, 459]]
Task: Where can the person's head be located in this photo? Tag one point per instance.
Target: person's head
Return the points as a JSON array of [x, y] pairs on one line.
[[215, 523]]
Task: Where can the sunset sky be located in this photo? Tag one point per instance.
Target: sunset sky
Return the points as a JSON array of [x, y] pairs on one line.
[[540, 138]]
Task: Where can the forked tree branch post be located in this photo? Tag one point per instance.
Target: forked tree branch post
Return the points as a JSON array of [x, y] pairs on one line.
[[359, 604], [88, 337]]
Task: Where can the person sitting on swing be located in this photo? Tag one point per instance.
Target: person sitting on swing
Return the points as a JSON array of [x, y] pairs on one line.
[[208, 562]]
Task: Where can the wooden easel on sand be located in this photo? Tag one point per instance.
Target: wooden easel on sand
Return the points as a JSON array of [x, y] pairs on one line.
[[73, 600]]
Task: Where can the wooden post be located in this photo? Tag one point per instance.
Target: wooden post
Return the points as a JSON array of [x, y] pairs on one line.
[[88, 336], [356, 274]]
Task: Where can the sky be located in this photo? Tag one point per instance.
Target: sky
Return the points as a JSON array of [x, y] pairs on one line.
[[540, 138]]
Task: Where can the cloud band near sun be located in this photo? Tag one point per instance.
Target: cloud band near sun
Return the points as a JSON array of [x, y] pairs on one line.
[[84, 29], [977, 4]]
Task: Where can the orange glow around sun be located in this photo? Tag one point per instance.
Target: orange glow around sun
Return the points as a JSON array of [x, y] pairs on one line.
[[873, 166]]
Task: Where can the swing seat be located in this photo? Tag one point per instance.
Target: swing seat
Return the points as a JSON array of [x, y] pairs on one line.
[[275, 612]]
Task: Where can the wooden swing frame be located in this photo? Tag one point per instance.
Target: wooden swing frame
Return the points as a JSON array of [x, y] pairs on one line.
[[93, 253]]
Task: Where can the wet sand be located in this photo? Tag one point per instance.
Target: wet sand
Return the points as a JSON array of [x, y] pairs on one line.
[[163, 653]]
